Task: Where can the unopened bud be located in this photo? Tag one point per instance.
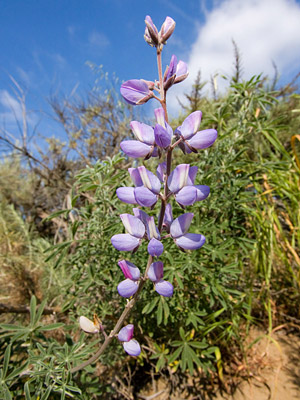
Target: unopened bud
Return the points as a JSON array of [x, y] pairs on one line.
[[151, 33], [167, 29]]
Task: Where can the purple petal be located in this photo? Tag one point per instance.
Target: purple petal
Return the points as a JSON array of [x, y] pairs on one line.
[[135, 176], [181, 224], [133, 225], [192, 175], [126, 333], [161, 171], [140, 214], [178, 177], [135, 91], [164, 288], [156, 271], [144, 197], [135, 149], [125, 242], [155, 248], [152, 231], [142, 132], [190, 125], [129, 270], [126, 194], [149, 180], [181, 72], [168, 217], [162, 136], [203, 139], [190, 241], [186, 196], [127, 288], [160, 116], [167, 29], [132, 347], [172, 67], [202, 192], [151, 32]]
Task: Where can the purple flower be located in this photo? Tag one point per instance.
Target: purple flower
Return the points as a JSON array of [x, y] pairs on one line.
[[136, 91], [129, 241], [193, 139], [155, 274], [181, 183], [184, 240], [131, 346], [155, 247], [176, 72], [145, 145], [163, 133], [146, 191], [129, 286]]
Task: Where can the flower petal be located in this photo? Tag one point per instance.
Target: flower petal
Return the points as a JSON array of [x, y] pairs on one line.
[[135, 149], [135, 176], [163, 137], [127, 288], [160, 116], [144, 197], [180, 225], [149, 180], [135, 91], [126, 194], [178, 177], [161, 171], [202, 192], [181, 72], [167, 29], [164, 288], [152, 231], [190, 241], [155, 248], [125, 242], [143, 132], [203, 139], [126, 333], [132, 347], [156, 271], [87, 325], [192, 175], [133, 225], [172, 67], [168, 217], [190, 125], [186, 196], [129, 270]]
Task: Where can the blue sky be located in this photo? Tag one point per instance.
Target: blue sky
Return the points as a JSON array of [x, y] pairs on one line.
[[46, 44]]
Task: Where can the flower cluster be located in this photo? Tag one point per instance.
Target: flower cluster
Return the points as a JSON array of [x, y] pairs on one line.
[[150, 188]]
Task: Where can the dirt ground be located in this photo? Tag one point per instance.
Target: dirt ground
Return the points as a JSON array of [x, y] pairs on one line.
[[275, 372]]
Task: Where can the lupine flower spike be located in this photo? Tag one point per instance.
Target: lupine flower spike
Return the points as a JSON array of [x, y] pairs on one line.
[[150, 189]]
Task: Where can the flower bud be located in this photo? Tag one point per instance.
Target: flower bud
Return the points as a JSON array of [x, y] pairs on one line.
[[151, 33], [167, 29]]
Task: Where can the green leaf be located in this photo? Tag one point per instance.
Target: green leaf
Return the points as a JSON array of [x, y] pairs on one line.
[[6, 360], [51, 326], [27, 391], [32, 310]]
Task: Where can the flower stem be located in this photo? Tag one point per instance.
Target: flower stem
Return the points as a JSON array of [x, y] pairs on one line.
[[119, 323]]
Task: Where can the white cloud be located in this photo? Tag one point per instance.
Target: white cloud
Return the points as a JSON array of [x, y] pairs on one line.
[[98, 39], [264, 30]]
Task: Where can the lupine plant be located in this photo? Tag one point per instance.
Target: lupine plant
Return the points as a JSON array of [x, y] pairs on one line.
[[151, 189]]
